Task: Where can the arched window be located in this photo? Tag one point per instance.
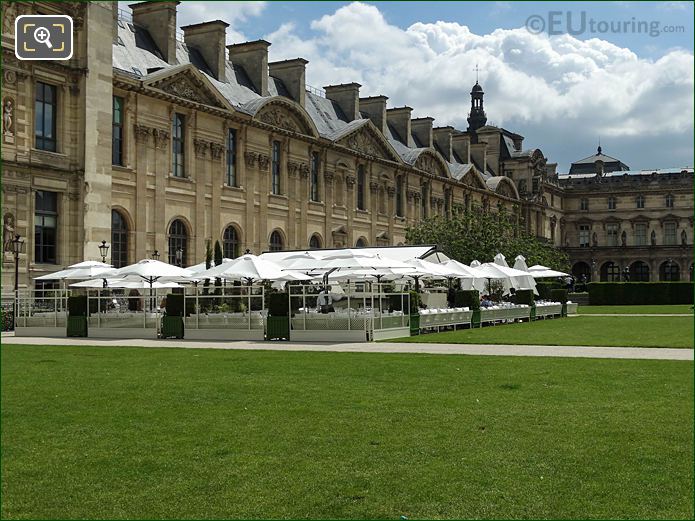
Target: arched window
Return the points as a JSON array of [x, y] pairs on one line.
[[178, 240], [581, 269], [610, 272], [230, 243], [119, 240], [639, 272], [361, 182], [669, 271], [276, 243], [361, 243], [315, 242]]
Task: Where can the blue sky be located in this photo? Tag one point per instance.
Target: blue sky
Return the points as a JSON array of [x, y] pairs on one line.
[[563, 92]]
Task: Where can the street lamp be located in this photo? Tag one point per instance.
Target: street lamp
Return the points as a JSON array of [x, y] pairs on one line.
[[155, 255], [17, 248], [104, 250], [179, 257]]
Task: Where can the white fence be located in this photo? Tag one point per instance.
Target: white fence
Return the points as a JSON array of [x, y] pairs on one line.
[[41, 312]]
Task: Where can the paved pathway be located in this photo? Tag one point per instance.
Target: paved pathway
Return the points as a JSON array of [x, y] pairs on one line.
[[443, 349]]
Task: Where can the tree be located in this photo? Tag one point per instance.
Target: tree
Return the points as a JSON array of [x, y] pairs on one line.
[[218, 260], [478, 235]]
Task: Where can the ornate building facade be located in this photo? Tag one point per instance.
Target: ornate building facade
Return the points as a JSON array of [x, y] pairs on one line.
[[158, 141]]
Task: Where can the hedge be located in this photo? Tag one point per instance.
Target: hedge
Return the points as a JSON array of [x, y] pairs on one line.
[[524, 296], [544, 289], [467, 299], [558, 295], [637, 293]]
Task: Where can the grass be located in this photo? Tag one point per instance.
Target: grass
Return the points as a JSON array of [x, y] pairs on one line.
[[159, 433], [648, 310], [576, 331]]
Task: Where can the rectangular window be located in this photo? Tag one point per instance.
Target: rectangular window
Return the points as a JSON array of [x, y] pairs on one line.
[[640, 201], [231, 158], [399, 196], [584, 204], [612, 233], [611, 203], [423, 203], [670, 234], [640, 234], [275, 168], [584, 235], [177, 143], [45, 117], [314, 189], [117, 132], [45, 227], [361, 182]]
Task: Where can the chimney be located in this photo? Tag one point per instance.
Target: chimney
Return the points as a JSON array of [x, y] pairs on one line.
[[479, 155], [422, 129], [375, 109], [442, 138], [159, 18], [347, 97], [253, 57], [399, 119], [208, 38], [461, 144], [292, 73]]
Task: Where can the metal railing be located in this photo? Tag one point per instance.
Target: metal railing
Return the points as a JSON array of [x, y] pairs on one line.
[[224, 307]]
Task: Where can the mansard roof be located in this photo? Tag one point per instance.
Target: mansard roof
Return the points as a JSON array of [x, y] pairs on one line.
[[588, 164]]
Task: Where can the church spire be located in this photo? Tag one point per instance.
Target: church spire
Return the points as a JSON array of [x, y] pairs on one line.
[[476, 117]]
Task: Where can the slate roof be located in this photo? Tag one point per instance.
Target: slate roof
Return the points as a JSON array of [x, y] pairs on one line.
[[587, 165], [629, 173]]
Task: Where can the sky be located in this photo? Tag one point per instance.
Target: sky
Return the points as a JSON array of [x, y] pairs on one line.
[[564, 75]]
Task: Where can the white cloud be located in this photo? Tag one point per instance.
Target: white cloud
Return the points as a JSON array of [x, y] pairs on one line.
[[583, 88]]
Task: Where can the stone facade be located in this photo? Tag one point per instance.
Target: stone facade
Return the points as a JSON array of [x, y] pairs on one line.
[[219, 144]]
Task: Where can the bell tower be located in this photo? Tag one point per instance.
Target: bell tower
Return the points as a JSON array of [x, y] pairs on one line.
[[476, 117]]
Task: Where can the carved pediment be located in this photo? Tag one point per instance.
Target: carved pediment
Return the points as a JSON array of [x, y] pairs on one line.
[[367, 141], [429, 163], [285, 115], [188, 86], [473, 179]]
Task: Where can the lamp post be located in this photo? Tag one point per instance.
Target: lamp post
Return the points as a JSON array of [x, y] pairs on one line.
[[626, 274], [179, 257], [104, 250], [155, 255], [17, 248]]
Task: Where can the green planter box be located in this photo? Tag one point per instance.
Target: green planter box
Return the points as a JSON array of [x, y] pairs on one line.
[[475, 318], [278, 328], [533, 313], [414, 325], [172, 327], [77, 326]]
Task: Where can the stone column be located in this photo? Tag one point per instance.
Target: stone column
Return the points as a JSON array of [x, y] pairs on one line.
[[141, 141], [328, 204], [162, 167]]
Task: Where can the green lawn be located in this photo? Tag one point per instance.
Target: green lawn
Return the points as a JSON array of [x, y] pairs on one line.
[[576, 331], [650, 310], [159, 433]]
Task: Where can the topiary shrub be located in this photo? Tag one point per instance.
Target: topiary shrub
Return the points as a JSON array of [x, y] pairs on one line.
[[640, 293], [277, 305], [77, 306], [174, 305], [467, 299]]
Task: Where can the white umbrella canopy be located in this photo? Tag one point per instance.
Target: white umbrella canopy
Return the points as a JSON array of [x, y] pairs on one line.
[[201, 266], [81, 270], [305, 261], [470, 277], [356, 260], [128, 283], [152, 270], [542, 272], [501, 260], [430, 270], [249, 267], [510, 277], [520, 263]]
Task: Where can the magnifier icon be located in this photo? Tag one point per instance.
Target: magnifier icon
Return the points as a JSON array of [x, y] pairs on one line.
[[42, 35]]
